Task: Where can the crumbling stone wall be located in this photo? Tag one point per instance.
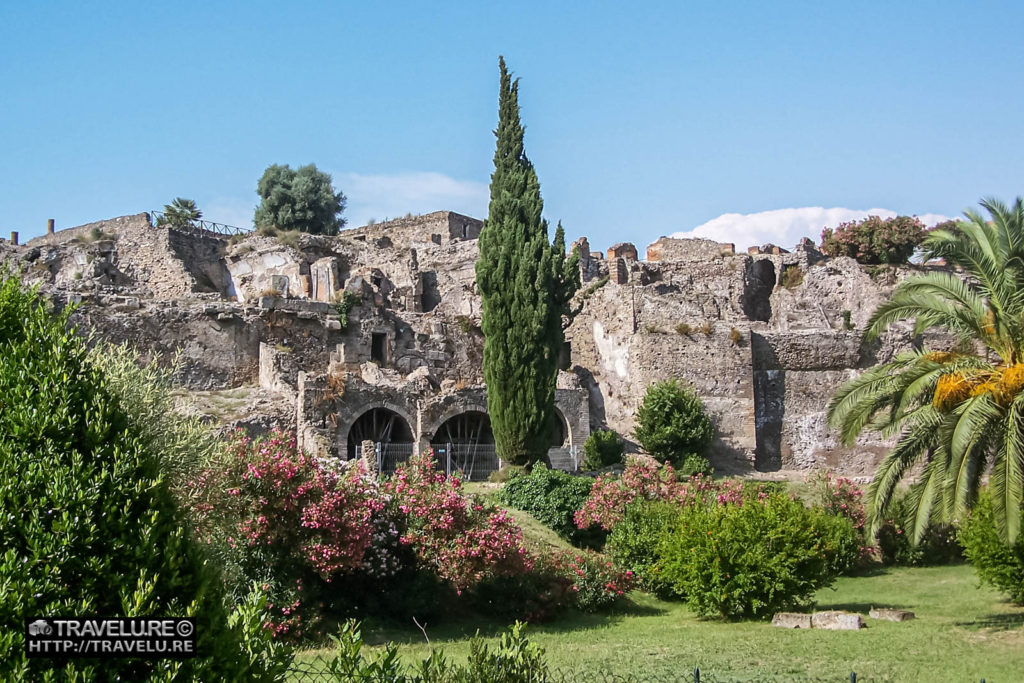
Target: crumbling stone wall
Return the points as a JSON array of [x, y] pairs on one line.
[[761, 335]]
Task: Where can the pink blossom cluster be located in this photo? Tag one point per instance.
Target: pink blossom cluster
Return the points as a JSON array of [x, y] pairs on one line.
[[293, 503], [458, 539], [645, 479], [842, 497]]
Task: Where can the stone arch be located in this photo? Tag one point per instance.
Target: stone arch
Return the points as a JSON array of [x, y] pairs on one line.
[[472, 425], [379, 421], [453, 411]]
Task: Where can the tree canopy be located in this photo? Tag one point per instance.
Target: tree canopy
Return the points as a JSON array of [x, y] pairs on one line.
[[959, 410], [301, 199], [526, 284]]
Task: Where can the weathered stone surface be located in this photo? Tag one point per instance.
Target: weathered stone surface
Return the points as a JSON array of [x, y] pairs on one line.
[[791, 620], [891, 614], [836, 620], [764, 358]]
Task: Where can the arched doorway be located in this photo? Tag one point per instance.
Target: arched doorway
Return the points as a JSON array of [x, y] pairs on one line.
[[465, 443], [559, 430], [388, 430]]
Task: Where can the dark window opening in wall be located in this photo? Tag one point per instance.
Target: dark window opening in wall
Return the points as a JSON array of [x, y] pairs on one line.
[[465, 231], [379, 348], [558, 429], [377, 281], [360, 238], [431, 295], [565, 357]]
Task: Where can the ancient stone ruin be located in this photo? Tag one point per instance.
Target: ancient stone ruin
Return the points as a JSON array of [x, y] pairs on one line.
[[265, 338]]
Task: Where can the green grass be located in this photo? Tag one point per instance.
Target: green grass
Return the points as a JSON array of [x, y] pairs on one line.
[[962, 632]]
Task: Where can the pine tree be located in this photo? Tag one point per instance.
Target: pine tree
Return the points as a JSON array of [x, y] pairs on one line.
[[526, 284]]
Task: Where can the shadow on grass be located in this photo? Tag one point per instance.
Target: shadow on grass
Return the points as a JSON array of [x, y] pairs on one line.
[[995, 622], [859, 607], [460, 628]]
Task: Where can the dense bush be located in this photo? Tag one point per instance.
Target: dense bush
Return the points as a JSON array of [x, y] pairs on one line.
[[601, 449], [553, 497], [184, 442], [841, 497], [296, 526], [90, 526], [454, 537], [998, 564], [754, 557], [875, 240], [633, 545], [282, 519], [694, 465], [558, 580], [671, 424]]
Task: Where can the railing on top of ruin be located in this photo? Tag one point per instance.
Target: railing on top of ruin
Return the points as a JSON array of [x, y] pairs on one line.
[[199, 226]]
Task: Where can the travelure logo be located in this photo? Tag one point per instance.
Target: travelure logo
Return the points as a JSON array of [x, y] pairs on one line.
[[142, 637], [40, 627]]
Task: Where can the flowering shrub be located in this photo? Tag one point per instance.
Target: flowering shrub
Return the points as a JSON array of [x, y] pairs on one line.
[[875, 240], [290, 523], [596, 583], [645, 479], [456, 538], [841, 497]]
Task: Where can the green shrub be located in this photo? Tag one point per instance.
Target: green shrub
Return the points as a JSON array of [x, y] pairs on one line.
[[344, 304], [683, 330], [792, 276], [693, 465], [998, 564], [633, 543], [514, 660], [91, 526], [751, 560], [671, 424], [553, 497], [601, 449]]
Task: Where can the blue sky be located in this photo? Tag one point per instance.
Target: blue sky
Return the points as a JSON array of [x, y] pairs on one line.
[[643, 119]]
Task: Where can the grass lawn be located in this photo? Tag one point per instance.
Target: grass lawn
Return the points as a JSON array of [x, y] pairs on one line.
[[961, 633]]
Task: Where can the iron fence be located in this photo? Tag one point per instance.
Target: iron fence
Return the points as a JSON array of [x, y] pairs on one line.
[[472, 461], [199, 227], [316, 671]]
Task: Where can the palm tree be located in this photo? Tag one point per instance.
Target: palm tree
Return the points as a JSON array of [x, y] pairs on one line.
[[181, 213], [957, 412]]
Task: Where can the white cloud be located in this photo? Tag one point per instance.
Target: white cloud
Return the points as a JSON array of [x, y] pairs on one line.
[[785, 227], [392, 196]]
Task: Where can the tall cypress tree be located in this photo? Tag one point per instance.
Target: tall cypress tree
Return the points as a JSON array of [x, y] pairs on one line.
[[526, 284]]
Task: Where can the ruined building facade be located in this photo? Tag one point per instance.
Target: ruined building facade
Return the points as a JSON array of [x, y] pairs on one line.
[[764, 336]]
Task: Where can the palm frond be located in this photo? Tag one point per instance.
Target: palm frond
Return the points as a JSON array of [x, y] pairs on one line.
[[1007, 482], [967, 440], [923, 496]]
